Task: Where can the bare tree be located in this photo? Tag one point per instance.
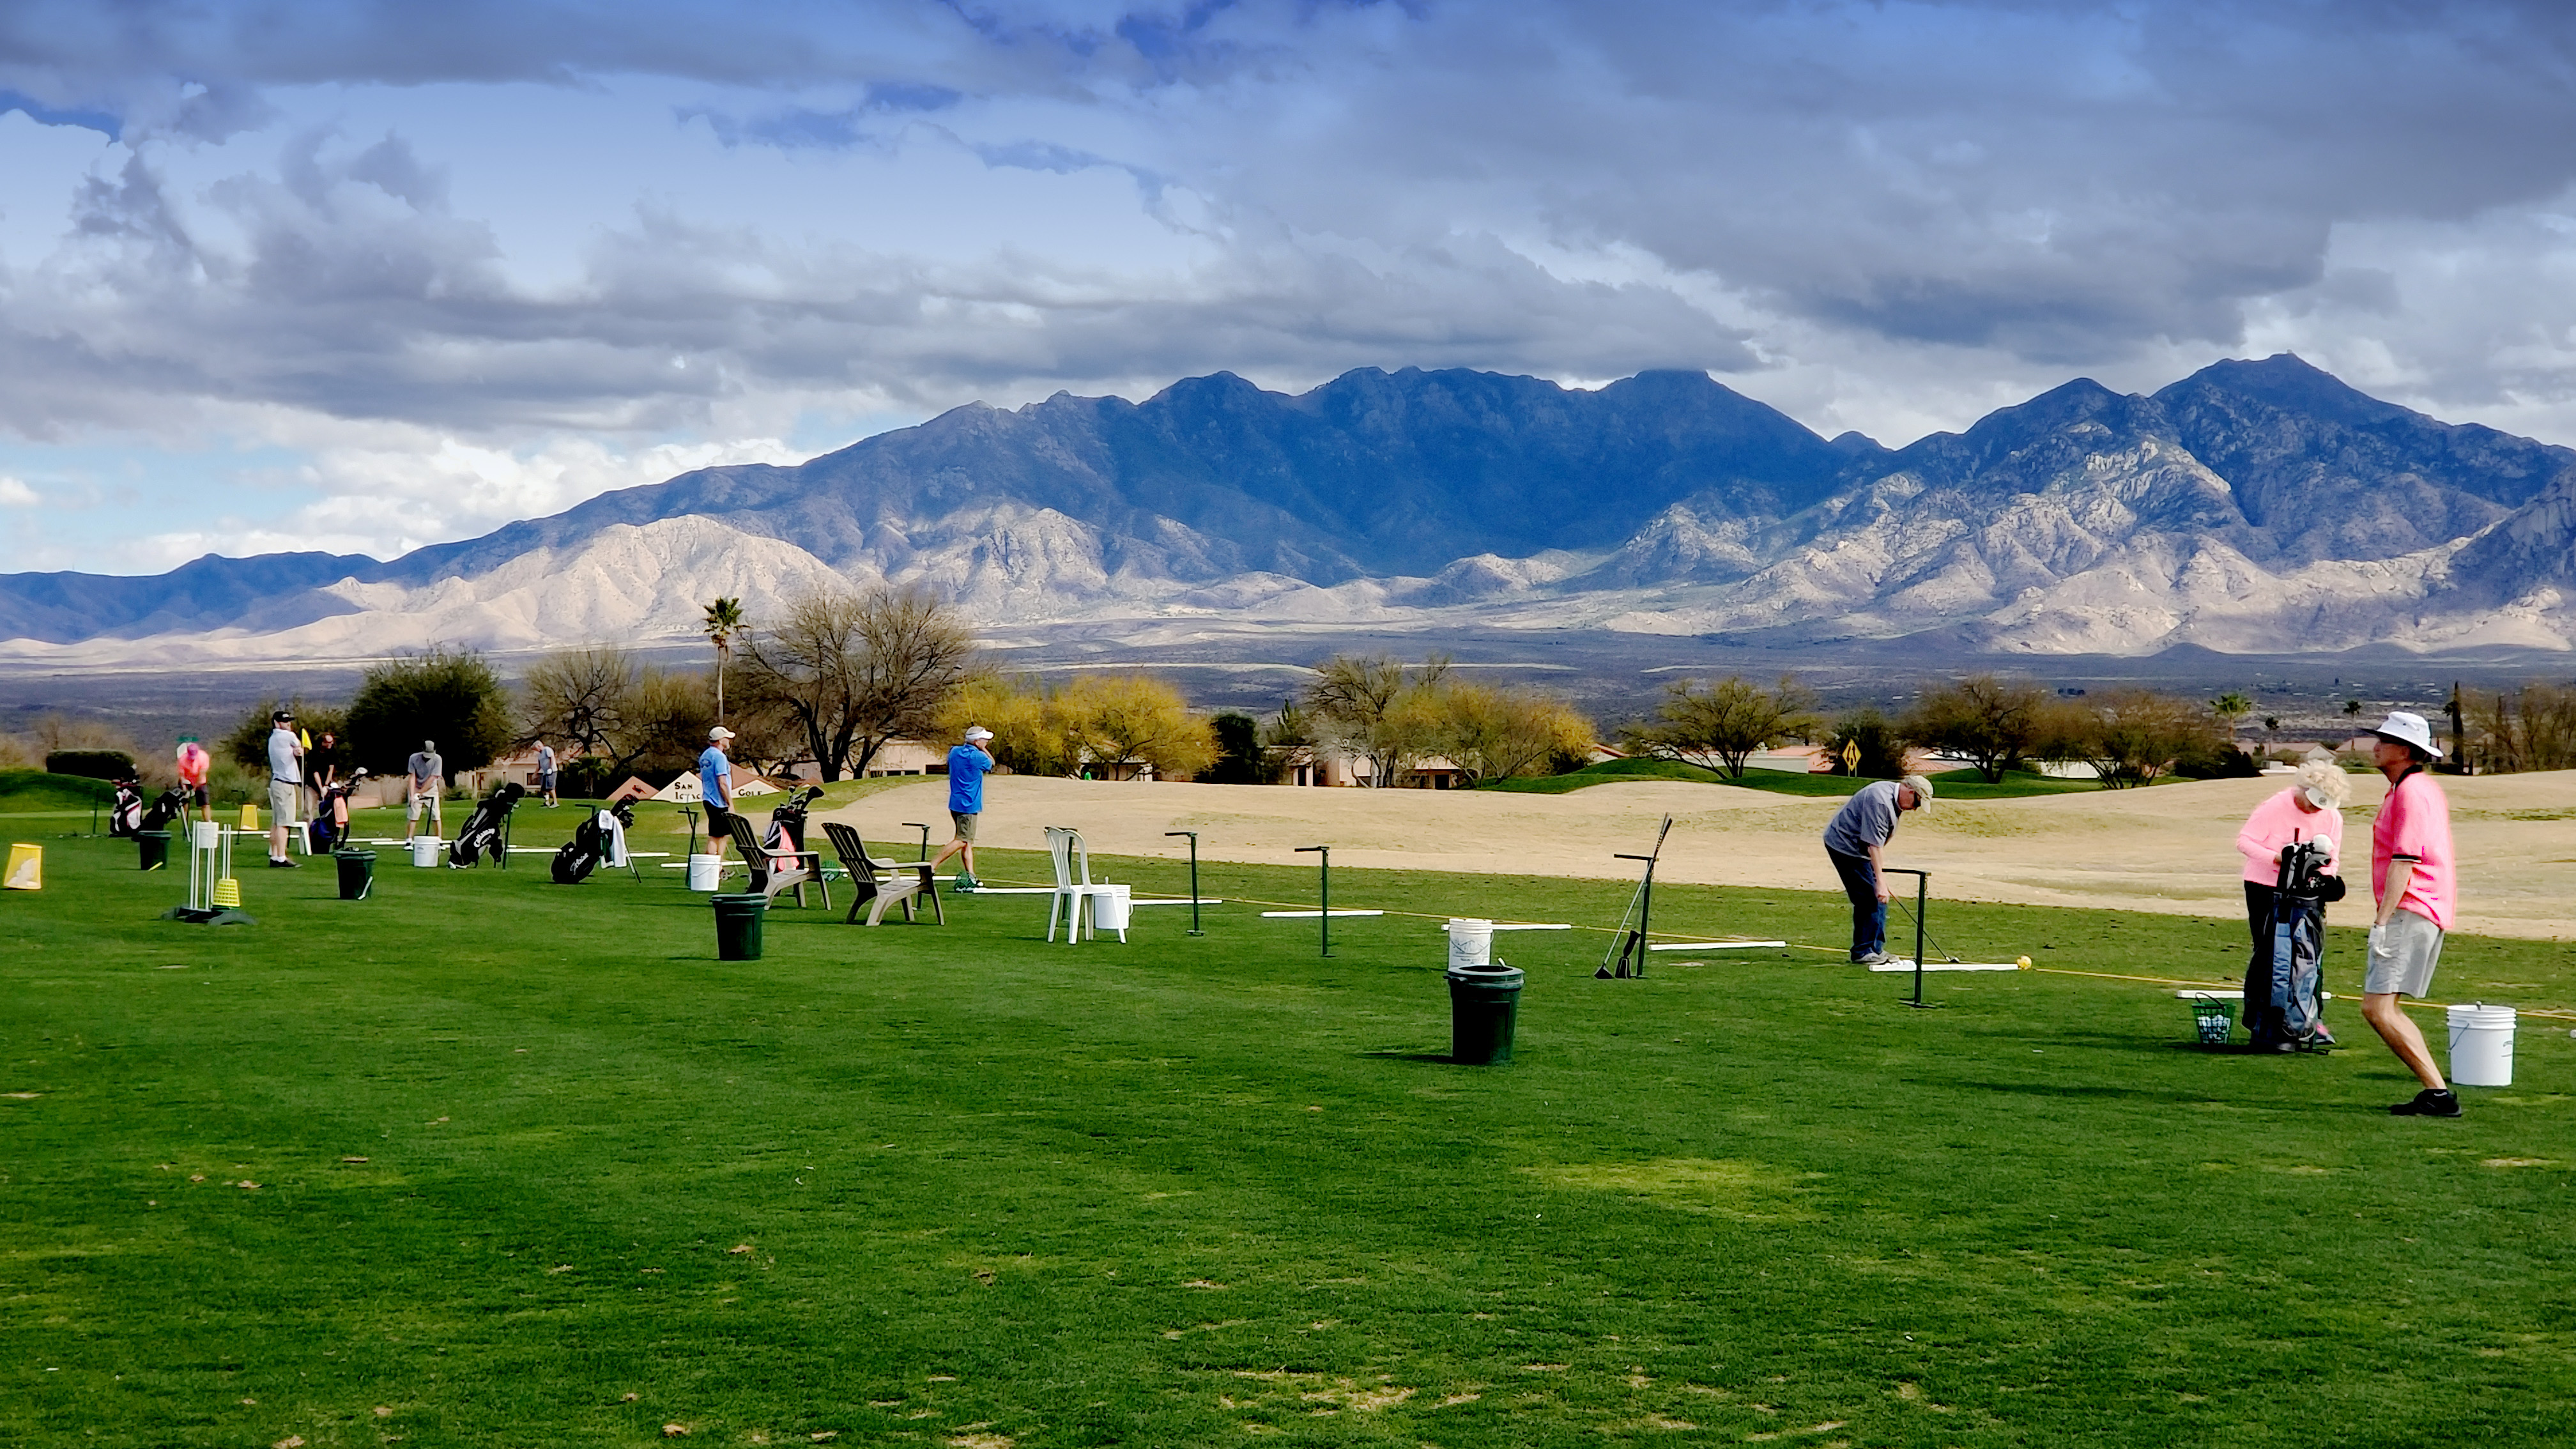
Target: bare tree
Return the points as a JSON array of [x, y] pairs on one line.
[[854, 670], [2129, 736], [1720, 725], [1992, 723], [581, 695], [1376, 707]]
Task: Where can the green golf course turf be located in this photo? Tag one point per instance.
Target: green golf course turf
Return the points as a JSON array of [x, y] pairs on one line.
[[533, 1168]]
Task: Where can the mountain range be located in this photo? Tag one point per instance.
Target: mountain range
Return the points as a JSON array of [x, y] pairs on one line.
[[2253, 507]]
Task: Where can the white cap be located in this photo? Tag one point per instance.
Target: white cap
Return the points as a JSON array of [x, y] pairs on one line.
[[719, 733], [2409, 729], [977, 732]]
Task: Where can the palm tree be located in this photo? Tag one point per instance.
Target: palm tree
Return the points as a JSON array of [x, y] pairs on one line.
[[2231, 707], [724, 620]]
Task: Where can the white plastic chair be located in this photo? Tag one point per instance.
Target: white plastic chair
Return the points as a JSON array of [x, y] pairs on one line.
[[1075, 892]]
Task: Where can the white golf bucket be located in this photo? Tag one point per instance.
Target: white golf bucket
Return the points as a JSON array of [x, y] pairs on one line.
[[704, 871], [424, 851], [2481, 1045], [1471, 944], [1109, 909], [205, 834]]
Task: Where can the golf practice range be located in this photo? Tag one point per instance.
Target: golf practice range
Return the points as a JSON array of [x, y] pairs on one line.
[[484, 1160]]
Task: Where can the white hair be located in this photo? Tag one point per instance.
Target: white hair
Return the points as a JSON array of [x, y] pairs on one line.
[[2326, 779]]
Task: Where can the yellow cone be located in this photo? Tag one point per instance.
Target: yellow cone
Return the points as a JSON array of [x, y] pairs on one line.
[[250, 819], [227, 893], [26, 867]]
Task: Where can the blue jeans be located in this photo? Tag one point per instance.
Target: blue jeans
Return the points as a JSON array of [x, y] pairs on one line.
[[1869, 913]]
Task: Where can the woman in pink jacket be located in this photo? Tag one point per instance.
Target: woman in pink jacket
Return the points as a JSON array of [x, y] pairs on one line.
[[2310, 809]]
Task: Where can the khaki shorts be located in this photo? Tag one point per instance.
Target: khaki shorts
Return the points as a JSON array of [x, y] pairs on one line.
[[283, 806], [2408, 949], [965, 824]]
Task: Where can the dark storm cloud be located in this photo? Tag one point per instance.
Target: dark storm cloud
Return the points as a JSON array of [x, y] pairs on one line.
[[1574, 189]]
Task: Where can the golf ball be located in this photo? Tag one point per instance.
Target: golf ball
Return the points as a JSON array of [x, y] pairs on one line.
[[2022, 961]]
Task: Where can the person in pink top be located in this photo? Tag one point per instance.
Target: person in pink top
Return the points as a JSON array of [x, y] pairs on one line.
[[2414, 877], [2310, 809], [194, 764]]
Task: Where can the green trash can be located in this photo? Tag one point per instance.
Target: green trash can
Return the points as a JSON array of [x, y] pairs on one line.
[[738, 926], [357, 872], [155, 845], [1484, 1006]]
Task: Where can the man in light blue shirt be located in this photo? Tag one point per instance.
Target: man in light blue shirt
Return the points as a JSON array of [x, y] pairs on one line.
[[715, 786], [967, 765]]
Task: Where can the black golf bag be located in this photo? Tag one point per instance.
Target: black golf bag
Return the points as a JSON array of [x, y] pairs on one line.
[[787, 822], [2283, 985], [483, 829], [590, 842], [172, 805], [127, 817]]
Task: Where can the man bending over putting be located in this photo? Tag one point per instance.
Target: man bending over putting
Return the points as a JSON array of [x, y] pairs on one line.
[[967, 765], [1856, 842], [2414, 877]]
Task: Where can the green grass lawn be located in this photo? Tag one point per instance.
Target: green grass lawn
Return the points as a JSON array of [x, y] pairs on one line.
[[1950, 784], [532, 1168]]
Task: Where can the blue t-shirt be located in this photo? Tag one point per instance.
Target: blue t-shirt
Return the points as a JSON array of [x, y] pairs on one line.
[[966, 767], [713, 767]]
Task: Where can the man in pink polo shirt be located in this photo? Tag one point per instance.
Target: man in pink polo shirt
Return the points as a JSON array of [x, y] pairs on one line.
[[2415, 878]]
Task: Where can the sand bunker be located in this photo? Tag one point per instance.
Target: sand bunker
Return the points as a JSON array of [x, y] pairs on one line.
[[2171, 848]]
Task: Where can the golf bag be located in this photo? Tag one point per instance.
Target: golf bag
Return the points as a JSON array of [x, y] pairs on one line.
[[787, 822], [2283, 1000], [127, 817], [594, 840], [482, 833], [172, 805], [328, 830]]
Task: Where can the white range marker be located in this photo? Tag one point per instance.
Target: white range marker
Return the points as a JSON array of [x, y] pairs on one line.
[[1310, 915], [1908, 966], [1716, 945]]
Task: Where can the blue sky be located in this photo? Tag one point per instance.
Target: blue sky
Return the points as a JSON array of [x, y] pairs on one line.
[[363, 276]]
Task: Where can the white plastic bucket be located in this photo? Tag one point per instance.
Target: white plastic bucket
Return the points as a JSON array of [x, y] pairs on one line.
[[1471, 944], [1109, 908], [704, 871], [205, 834], [424, 851], [2481, 1045]]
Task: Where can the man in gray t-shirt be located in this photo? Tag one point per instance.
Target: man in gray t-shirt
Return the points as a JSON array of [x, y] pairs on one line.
[[1856, 842], [428, 779]]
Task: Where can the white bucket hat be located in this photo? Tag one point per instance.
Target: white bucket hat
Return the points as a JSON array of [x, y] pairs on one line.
[[2408, 729], [977, 732]]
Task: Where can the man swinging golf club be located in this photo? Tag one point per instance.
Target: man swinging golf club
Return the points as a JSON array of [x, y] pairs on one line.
[[967, 766], [2414, 878], [1856, 842]]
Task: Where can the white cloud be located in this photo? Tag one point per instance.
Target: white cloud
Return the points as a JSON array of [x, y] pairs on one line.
[[467, 269], [14, 493]]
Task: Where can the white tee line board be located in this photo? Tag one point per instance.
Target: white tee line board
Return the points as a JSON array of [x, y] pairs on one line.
[[1717, 945], [1511, 926], [1310, 915], [1176, 901], [1908, 967]]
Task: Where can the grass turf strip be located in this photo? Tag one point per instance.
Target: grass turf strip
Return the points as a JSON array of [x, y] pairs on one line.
[[950, 1185]]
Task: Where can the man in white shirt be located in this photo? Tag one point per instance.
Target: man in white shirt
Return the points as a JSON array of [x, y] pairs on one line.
[[285, 784], [428, 781]]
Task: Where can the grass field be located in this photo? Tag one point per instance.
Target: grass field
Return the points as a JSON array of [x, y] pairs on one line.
[[486, 1161], [1950, 784]]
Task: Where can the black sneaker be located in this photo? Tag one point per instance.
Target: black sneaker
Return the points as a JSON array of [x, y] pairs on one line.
[[2429, 1103], [275, 864]]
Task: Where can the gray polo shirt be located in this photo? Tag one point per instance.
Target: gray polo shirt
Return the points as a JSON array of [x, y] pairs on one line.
[[1866, 819]]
